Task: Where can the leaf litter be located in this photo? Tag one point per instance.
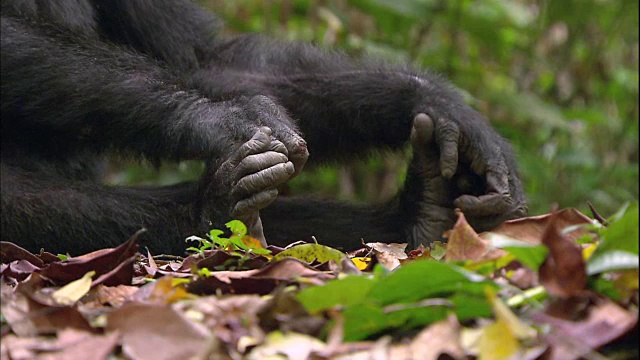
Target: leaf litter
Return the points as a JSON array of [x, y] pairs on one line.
[[554, 286]]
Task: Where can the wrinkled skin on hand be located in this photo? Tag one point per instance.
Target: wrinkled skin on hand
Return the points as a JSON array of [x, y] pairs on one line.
[[281, 127], [252, 174], [481, 185]]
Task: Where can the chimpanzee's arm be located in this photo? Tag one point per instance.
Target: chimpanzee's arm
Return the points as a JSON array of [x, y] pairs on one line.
[[43, 208], [83, 94], [419, 214], [345, 108]]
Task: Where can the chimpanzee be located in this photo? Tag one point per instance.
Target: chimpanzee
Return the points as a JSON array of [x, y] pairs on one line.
[[154, 79]]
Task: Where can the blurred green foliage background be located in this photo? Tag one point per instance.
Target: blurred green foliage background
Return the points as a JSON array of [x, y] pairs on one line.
[[559, 79]]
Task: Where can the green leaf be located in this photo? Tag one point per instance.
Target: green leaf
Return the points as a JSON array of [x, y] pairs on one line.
[[618, 248], [467, 306], [605, 287], [417, 316], [622, 234], [422, 279], [612, 260], [237, 227], [346, 291], [363, 321], [259, 251], [214, 235], [529, 255], [438, 252], [400, 299]]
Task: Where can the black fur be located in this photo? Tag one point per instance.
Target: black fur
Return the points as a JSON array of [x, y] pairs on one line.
[[152, 79]]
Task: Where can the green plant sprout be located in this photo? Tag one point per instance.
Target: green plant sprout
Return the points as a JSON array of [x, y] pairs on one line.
[[235, 242]]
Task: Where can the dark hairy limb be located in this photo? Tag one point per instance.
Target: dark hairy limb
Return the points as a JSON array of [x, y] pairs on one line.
[[419, 214], [42, 207], [152, 79], [347, 109], [103, 97], [338, 224]]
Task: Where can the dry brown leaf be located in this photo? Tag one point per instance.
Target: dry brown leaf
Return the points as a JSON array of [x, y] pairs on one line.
[[261, 281], [18, 270], [563, 273], [572, 339], [389, 255], [69, 344], [397, 250], [289, 269], [442, 339], [464, 243], [10, 252], [156, 332], [31, 312], [530, 229], [233, 320], [110, 295], [101, 261], [164, 291], [224, 259], [291, 346]]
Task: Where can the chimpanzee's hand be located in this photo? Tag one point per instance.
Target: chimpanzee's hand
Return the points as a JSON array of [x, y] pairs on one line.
[[464, 138], [267, 112], [246, 182], [434, 188]]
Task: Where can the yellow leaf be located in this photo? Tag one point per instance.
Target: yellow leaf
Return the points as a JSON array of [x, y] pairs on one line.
[[251, 242], [519, 329], [361, 262], [167, 290], [626, 282], [500, 339], [497, 342], [588, 251], [73, 291], [310, 252]]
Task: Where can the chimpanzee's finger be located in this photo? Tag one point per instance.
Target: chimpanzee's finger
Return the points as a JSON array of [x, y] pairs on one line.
[[497, 199], [257, 162], [298, 154], [447, 135], [296, 147], [258, 143], [491, 221], [498, 182], [422, 131], [254, 203], [278, 146], [425, 157], [490, 204], [433, 220], [490, 163], [262, 180]]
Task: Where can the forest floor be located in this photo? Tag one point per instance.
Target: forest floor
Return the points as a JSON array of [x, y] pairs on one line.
[[555, 286]]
